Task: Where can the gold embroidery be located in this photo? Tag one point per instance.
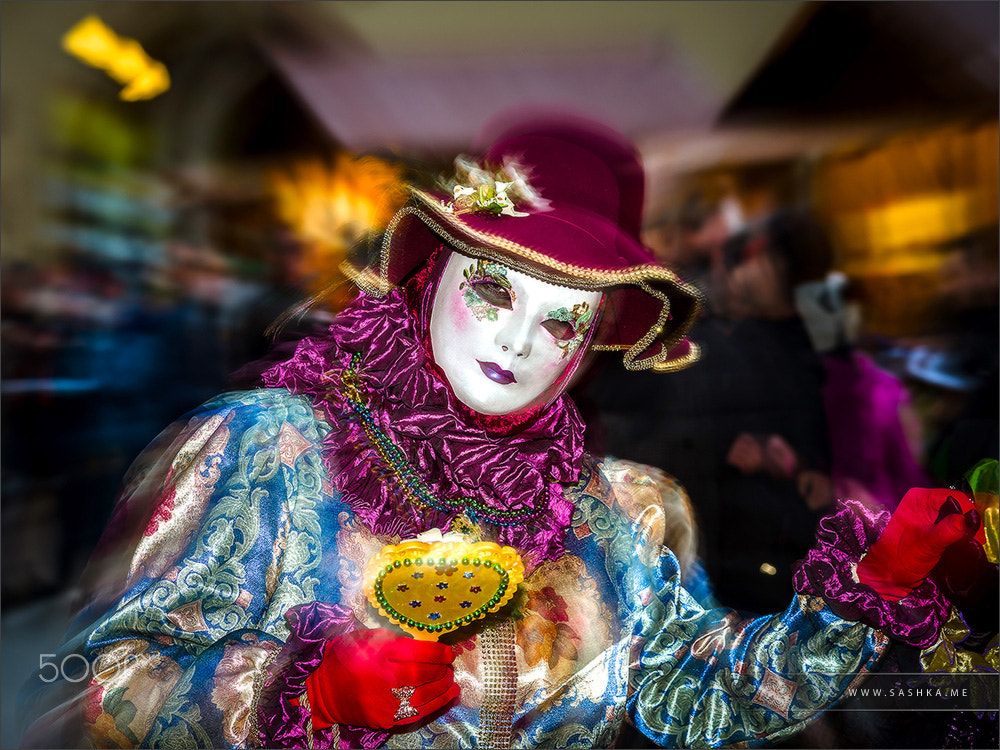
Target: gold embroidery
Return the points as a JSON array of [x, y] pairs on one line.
[[471, 531], [138, 674], [291, 445], [582, 278], [182, 502], [634, 274], [235, 686], [565, 624], [947, 655], [189, 617], [260, 679], [304, 702]]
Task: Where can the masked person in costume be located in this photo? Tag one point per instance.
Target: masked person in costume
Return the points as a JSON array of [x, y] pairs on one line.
[[229, 602]]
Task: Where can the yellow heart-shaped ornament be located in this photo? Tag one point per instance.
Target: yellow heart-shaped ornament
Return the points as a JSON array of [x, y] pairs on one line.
[[432, 588]]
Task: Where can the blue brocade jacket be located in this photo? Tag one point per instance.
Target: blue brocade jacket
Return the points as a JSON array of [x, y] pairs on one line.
[[228, 520]]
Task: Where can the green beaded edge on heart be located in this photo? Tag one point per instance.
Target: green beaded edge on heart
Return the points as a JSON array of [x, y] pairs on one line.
[[478, 554], [409, 624]]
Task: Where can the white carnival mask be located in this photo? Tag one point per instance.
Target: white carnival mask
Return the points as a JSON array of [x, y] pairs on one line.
[[503, 338]]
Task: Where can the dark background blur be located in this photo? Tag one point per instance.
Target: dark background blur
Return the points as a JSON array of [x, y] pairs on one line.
[[146, 245]]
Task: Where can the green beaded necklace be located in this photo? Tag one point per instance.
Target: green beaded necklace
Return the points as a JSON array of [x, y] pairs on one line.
[[407, 477]]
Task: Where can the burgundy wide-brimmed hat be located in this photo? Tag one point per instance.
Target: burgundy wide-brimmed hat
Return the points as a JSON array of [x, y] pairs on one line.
[[560, 200]]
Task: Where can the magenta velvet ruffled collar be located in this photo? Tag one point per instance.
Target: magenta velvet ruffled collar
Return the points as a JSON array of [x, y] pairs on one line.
[[508, 475]]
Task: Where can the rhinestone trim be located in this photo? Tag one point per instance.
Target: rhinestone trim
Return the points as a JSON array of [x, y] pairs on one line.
[[496, 717]]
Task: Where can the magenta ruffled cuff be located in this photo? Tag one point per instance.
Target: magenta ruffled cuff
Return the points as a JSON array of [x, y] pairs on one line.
[[829, 571], [283, 723]]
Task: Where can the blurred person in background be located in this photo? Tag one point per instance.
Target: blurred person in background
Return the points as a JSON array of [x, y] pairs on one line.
[[877, 441], [229, 605], [963, 371], [77, 353], [745, 431], [692, 241], [876, 438]]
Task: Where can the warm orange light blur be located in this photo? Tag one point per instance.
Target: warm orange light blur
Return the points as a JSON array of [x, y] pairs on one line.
[[122, 59], [896, 209], [911, 195], [330, 207]]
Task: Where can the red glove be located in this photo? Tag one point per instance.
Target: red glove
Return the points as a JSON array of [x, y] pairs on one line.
[[924, 525], [360, 671]]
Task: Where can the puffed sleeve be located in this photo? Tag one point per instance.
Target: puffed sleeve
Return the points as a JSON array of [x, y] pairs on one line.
[[217, 533], [702, 676]]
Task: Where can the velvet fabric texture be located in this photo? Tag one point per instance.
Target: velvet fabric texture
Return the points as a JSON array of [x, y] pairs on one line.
[[501, 464], [828, 571]]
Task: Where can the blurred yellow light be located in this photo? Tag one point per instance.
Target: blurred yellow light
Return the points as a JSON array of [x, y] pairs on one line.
[[768, 569], [920, 220], [330, 206], [123, 59], [337, 204]]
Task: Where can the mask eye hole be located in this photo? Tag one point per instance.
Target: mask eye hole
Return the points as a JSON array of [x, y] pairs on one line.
[[559, 329], [493, 293]]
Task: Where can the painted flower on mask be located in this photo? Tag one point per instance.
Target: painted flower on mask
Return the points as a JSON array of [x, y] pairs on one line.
[[486, 289], [575, 323], [510, 363]]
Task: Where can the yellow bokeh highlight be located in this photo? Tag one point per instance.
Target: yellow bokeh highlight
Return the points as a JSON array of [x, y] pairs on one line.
[[898, 211], [902, 237], [329, 205], [92, 42], [335, 204]]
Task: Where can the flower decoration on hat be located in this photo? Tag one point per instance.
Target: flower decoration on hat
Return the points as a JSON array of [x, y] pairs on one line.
[[497, 191]]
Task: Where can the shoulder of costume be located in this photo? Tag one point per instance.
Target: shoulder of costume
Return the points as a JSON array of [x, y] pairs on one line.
[[258, 404], [650, 495], [267, 411], [623, 472], [202, 466]]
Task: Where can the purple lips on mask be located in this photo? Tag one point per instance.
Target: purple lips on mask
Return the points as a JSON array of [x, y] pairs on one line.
[[496, 373]]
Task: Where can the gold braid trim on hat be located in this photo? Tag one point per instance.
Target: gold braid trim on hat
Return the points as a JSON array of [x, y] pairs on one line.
[[658, 362], [583, 278], [595, 279]]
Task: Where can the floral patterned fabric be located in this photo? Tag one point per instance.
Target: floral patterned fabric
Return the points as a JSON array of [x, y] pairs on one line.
[[230, 519]]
